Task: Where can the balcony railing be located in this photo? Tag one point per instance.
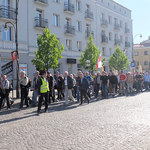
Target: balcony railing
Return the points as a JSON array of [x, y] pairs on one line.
[[127, 30], [42, 1], [117, 42], [116, 26], [104, 39], [88, 32], [41, 22], [7, 12], [69, 29], [68, 7], [127, 44], [89, 14], [104, 22]]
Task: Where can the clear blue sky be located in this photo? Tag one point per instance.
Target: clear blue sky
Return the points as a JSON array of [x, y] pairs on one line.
[[140, 16]]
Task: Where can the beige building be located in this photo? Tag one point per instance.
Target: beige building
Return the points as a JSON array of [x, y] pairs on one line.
[[142, 55], [72, 21]]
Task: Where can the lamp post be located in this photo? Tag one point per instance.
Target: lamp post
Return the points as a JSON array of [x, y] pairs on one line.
[[16, 42], [133, 62]]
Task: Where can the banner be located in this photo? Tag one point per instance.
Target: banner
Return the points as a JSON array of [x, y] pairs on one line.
[[7, 68], [23, 67]]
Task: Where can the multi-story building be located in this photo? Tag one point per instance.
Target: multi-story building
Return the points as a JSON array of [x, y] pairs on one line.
[[142, 56], [72, 21]]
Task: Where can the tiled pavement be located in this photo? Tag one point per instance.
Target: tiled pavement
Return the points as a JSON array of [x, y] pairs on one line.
[[121, 123]]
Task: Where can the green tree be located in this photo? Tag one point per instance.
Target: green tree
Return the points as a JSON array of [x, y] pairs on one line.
[[118, 61], [91, 53], [49, 51]]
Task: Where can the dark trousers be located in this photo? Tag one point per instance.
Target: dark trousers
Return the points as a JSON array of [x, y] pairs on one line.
[[97, 87], [51, 95], [4, 95], [43, 95], [24, 96], [59, 92], [104, 91], [84, 93]]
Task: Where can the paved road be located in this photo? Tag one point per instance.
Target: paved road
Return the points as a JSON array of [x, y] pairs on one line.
[[121, 123]]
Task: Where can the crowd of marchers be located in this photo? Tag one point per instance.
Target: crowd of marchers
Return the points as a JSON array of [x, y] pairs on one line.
[[70, 87]]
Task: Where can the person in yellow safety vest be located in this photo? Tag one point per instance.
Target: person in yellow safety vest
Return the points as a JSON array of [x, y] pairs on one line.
[[43, 90]]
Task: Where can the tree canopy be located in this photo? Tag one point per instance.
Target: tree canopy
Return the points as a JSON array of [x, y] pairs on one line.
[[91, 54], [118, 61], [49, 51]]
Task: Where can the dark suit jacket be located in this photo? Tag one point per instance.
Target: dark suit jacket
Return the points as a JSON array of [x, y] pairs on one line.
[[84, 85]]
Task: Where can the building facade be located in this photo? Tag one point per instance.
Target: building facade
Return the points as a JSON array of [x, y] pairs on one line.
[[71, 21], [142, 56]]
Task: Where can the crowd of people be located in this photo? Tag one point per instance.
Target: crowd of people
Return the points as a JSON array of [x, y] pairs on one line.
[[76, 88]]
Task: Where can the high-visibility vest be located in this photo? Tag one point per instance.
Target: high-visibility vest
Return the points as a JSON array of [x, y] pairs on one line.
[[44, 87]]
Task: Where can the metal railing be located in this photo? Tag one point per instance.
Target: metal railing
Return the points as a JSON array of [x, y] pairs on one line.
[[104, 22], [69, 29], [7, 12], [116, 26], [117, 42], [89, 14], [104, 39], [127, 30], [42, 1], [41, 22], [127, 44], [69, 7], [88, 32]]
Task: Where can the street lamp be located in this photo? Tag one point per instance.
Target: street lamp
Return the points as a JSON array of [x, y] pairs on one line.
[[133, 62], [16, 41]]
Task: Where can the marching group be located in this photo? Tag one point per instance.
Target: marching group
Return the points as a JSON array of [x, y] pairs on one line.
[[76, 88]]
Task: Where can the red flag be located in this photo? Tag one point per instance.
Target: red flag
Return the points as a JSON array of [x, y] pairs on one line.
[[99, 62], [14, 55]]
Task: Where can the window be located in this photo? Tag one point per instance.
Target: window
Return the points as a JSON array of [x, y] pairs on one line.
[[145, 52], [79, 45], [110, 51], [68, 44], [87, 6], [136, 53], [103, 51], [56, 1], [137, 63], [110, 20], [110, 36], [78, 5], [7, 34], [55, 20], [79, 26], [145, 63], [121, 38], [120, 23], [79, 67]]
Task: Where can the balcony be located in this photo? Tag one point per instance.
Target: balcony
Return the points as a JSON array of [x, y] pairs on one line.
[[127, 44], [68, 7], [69, 29], [127, 30], [41, 22], [88, 32], [104, 39], [117, 42], [117, 26], [104, 22], [89, 14], [7, 12], [45, 2]]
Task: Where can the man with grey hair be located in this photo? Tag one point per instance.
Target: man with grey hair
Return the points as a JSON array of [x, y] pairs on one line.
[[68, 82], [35, 89], [5, 91]]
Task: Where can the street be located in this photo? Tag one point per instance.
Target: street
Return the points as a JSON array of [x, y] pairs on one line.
[[121, 123]]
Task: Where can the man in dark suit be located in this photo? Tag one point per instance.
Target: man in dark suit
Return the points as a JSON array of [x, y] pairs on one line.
[[83, 85]]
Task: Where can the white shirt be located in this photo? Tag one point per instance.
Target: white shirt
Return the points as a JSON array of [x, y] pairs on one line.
[[66, 81]]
